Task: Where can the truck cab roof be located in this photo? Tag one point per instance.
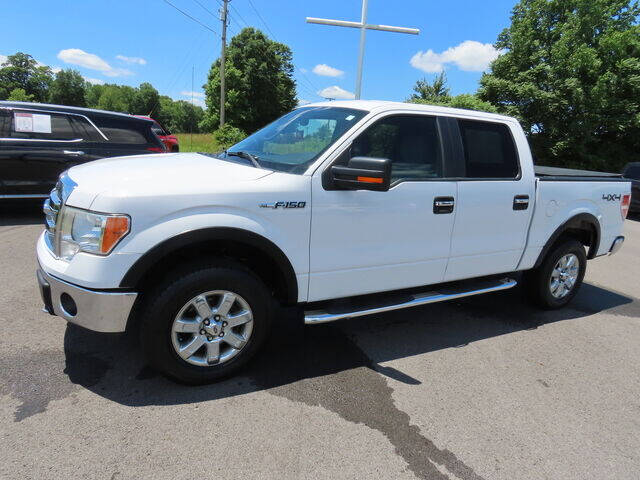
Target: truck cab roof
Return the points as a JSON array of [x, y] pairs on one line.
[[377, 106]]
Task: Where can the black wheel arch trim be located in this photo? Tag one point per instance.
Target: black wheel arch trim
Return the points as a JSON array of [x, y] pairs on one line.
[[137, 271], [577, 221]]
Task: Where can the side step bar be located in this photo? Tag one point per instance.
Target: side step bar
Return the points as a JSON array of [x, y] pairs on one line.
[[414, 300]]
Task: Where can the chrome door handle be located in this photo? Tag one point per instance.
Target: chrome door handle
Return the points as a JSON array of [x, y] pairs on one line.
[[73, 152], [443, 205], [521, 202]]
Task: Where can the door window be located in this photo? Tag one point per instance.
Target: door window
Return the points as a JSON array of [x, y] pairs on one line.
[[489, 150], [411, 142], [41, 126]]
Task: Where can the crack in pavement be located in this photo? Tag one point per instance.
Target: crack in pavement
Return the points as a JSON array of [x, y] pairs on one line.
[[348, 383]]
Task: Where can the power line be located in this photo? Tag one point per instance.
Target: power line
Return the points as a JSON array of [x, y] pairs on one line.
[[192, 18], [207, 10], [304, 74], [262, 19]]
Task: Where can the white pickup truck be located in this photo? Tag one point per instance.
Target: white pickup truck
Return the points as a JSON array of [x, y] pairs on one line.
[[324, 208]]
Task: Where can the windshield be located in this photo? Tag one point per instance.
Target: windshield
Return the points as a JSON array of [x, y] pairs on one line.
[[294, 141]]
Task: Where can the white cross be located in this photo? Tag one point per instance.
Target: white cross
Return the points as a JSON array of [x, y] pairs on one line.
[[363, 26]]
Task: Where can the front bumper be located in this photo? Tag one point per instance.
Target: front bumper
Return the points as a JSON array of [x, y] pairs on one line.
[[101, 311]]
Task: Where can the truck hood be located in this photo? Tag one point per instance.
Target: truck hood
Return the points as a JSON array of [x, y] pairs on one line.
[[165, 174]]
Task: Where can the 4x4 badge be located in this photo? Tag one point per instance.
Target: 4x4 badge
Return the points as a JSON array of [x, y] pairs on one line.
[[284, 205]]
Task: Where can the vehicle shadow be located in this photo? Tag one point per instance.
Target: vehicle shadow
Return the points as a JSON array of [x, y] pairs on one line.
[[24, 212], [112, 367]]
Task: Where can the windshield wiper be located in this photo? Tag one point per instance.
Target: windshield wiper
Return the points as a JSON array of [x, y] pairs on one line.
[[246, 155]]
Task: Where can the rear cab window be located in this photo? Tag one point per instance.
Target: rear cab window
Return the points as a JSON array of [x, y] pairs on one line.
[[489, 150]]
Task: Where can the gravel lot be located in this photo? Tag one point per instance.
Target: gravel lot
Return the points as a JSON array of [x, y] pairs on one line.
[[485, 388]]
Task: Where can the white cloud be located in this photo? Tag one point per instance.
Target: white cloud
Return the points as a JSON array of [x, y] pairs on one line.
[[303, 70], [75, 56], [133, 60], [470, 56], [198, 102], [94, 81], [327, 71], [336, 92], [3, 58], [186, 93], [302, 101]]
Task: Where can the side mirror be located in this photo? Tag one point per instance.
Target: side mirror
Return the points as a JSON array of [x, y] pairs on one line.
[[363, 173]]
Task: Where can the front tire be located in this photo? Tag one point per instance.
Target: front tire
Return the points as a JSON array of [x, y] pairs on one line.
[[557, 280], [202, 325]]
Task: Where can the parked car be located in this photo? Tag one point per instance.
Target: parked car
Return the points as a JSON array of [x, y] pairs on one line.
[[325, 208], [170, 141], [39, 141], [632, 173]]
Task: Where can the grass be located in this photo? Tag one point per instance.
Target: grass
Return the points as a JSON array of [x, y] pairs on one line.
[[198, 142]]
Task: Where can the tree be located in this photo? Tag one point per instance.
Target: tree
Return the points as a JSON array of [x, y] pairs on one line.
[[259, 82], [571, 74], [145, 100], [68, 88], [22, 71], [19, 95], [437, 93]]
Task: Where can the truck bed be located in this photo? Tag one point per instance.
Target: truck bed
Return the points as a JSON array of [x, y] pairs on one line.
[[555, 174]]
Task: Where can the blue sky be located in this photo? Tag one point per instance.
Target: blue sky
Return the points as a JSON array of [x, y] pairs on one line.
[[134, 41]]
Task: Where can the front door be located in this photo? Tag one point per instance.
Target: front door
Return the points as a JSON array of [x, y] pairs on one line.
[[363, 241]]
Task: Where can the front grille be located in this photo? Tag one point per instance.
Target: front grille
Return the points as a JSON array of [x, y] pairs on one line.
[[52, 207]]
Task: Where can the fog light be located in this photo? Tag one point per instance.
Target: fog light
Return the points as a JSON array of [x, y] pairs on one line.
[[68, 305]]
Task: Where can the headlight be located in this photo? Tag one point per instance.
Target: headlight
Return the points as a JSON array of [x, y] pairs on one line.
[[90, 232]]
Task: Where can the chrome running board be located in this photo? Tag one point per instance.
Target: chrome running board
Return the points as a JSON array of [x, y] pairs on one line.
[[414, 300]]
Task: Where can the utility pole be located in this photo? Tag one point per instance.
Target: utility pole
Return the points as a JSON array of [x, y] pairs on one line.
[[223, 17], [363, 26]]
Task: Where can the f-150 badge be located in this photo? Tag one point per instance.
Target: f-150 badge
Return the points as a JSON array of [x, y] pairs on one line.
[[277, 205]]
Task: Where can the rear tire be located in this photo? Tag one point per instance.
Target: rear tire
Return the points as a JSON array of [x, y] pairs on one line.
[[203, 324], [557, 280]]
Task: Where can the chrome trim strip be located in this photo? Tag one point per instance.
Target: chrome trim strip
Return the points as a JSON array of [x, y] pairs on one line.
[[75, 140], [25, 196], [319, 316]]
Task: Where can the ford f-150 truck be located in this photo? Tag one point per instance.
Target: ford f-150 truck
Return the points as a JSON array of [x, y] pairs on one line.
[[325, 208]]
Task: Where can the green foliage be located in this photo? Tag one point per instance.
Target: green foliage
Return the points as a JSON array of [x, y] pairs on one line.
[[259, 82], [571, 74], [178, 116], [68, 88], [198, 142], [145, 99], [21, 71], [228, 135], [427, 92], [437, 93], [19, 95]]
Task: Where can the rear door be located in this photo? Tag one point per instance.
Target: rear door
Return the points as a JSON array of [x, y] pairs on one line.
[[36, 147], [495, 199]]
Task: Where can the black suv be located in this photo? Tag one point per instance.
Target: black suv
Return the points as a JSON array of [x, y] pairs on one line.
[[39, 141]]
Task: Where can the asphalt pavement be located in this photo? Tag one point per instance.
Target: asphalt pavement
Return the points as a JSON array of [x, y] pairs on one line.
[[483, 388]]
